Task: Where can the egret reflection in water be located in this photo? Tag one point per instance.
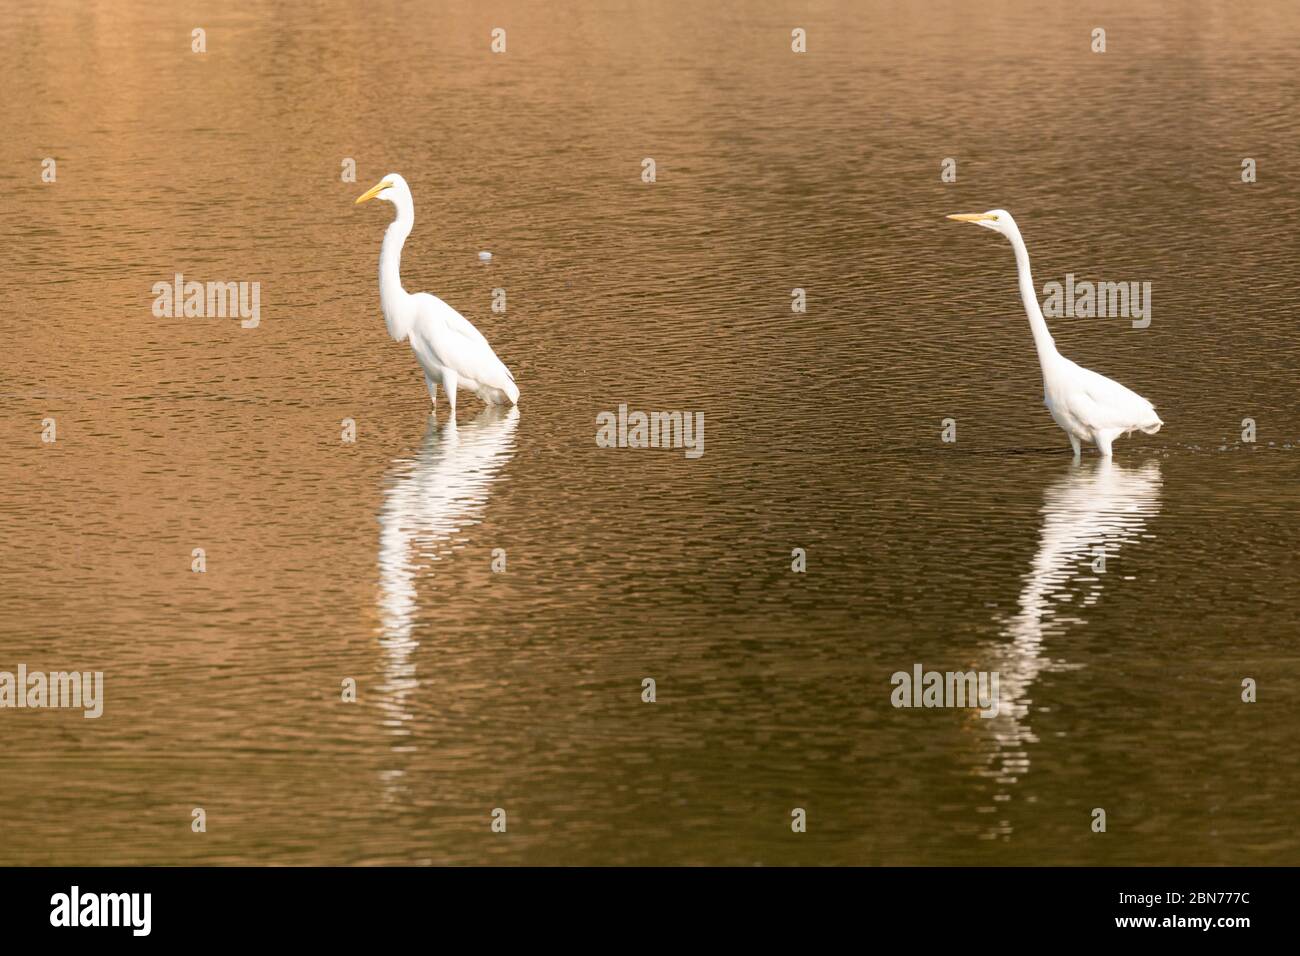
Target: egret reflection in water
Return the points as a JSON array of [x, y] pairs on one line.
[[428, 503], [1088, 515]]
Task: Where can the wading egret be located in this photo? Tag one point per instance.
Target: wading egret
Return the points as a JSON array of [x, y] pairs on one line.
[[1090, 407], [451, 351]]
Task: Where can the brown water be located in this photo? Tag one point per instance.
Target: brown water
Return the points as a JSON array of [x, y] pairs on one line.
[[522, 690]]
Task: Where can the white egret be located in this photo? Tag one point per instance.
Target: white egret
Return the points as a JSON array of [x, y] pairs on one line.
[[451, 351], [1090, 407]]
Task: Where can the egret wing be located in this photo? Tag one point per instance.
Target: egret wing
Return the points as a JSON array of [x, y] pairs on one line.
[[459, 346], [1103, 403]]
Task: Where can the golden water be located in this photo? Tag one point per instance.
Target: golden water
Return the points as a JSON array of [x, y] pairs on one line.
[[521, 690]]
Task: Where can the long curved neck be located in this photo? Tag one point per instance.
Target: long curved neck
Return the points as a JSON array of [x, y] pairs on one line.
[[393, 299], [1043, 342]]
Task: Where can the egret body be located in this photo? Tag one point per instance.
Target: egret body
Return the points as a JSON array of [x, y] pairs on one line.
[[451, 351], [1089, 406]]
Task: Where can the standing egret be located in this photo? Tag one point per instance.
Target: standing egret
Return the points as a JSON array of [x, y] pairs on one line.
[[450, 350], [1090, 407]]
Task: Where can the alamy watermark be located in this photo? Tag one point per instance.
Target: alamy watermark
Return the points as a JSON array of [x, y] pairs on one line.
[[922, 688], [1102, 300], [636, 429], [83, 690], [212, 300], [75, 908]]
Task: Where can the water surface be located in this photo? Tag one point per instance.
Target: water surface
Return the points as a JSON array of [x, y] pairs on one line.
[[521, 689]]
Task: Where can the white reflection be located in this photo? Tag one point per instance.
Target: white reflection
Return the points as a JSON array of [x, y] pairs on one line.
[[1095, 509], [429, 501]]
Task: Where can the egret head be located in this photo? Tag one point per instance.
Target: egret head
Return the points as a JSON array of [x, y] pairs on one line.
[[392, 188], [999, 220]]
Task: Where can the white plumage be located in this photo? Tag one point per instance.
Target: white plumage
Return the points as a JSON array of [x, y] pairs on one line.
[[1089, 406], [451, 351]]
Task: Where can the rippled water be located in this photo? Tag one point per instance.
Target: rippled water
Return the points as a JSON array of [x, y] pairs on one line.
[[373, 560]]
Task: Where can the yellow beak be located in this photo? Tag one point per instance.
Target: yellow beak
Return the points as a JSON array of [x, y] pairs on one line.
[[965, 216], [372, 192]]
